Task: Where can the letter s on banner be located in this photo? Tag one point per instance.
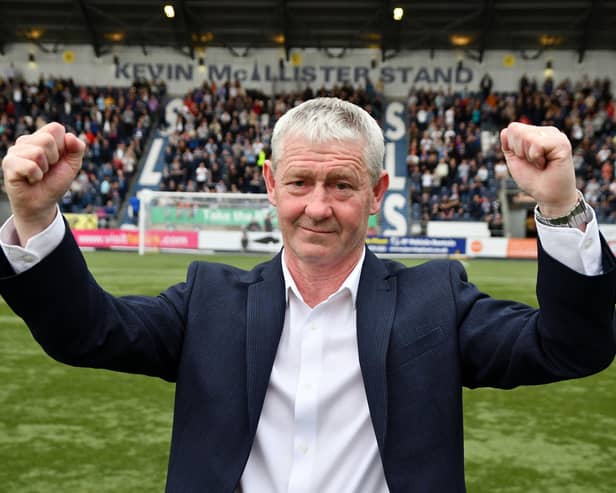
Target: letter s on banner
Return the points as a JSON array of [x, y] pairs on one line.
[[395, 128], [395, 210], [392, 205]]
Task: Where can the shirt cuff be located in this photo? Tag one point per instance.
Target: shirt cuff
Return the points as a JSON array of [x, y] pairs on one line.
[[37, 247], [576, 249]]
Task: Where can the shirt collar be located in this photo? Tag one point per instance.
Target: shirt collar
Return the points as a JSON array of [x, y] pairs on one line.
[[350, 284]]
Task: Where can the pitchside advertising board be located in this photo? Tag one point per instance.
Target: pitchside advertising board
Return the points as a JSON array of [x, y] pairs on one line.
[[422, 246]]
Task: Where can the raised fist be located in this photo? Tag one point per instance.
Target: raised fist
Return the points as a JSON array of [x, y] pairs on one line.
[[38, 170], [540, 161]]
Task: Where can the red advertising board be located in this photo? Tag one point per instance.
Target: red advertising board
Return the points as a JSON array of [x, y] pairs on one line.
[[119, 238], [522, 248]]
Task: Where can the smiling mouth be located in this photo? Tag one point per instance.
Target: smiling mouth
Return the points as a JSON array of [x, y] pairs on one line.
[[316, 230]]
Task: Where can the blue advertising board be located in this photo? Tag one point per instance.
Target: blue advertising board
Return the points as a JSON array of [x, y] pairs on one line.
[[412, 245]]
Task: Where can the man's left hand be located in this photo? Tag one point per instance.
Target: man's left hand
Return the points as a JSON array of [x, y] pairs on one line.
[[540, 161]]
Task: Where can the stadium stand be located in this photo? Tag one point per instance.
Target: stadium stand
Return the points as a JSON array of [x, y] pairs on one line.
[[115, 122], [454, 177], [221, 138], [220, 141]]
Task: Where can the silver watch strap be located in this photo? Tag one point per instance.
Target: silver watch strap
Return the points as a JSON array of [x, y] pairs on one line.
[[580, 214]]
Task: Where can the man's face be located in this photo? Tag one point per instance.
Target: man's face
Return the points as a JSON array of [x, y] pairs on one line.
[[323, 194]]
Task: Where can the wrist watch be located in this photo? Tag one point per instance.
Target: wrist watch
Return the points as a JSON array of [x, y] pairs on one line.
[[580, 214]]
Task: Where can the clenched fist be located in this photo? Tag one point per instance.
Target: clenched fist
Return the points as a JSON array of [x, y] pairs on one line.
[[38, 170], [540, 161]]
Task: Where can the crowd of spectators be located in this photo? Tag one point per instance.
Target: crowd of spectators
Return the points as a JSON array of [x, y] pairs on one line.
[[456, 170], [113, 121], [221, 138], [455, 165]]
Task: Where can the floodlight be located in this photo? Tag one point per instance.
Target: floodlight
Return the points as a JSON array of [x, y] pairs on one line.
[[169, 11]]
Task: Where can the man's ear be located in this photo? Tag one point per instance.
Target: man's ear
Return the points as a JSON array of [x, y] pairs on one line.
[[270, 182], [378, 191]]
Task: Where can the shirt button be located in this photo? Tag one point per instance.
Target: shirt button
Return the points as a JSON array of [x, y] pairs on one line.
[[307, 386], [28, 258], [304, 449], [313, 327], [587, 244]]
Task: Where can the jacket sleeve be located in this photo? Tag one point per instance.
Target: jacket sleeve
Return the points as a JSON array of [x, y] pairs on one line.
[[79, 323], [505, 344]]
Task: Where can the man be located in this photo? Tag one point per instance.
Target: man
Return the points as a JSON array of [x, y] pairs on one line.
[[324, 369]]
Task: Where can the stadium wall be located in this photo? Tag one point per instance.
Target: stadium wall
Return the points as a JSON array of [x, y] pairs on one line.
[[264, 69]]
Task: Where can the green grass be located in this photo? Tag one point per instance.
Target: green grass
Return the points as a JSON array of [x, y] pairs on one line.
[[74, 430]]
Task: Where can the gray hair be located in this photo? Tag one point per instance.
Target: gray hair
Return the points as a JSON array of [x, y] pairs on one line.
[[323, 120]]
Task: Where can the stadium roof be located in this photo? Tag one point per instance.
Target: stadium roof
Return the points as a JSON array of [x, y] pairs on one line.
[[473, 25]]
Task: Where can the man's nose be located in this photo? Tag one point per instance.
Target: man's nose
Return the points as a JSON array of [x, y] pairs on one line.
[[318, 205]]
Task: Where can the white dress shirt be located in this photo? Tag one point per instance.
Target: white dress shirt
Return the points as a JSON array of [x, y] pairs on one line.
[[315, 433]]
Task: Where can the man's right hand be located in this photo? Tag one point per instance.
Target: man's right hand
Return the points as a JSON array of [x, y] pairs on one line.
[[38, 170]]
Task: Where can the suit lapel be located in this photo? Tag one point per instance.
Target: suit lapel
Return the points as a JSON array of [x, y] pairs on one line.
[[375, 312], [264, 322]]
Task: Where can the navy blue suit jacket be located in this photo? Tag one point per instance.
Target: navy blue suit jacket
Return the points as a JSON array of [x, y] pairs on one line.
[[423, 333]]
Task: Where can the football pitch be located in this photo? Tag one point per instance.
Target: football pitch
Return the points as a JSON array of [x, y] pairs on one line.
[[75, 430]]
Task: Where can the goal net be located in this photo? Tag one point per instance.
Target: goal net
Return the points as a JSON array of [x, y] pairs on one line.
[[232, 222]]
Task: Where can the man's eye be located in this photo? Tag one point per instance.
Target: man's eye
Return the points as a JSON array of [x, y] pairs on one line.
[[298, 183], [342, 186]]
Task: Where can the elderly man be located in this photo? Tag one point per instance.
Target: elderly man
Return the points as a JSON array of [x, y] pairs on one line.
[[324, 369]]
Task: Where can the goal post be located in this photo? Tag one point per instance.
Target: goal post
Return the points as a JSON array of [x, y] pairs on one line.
[[207, 221]]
